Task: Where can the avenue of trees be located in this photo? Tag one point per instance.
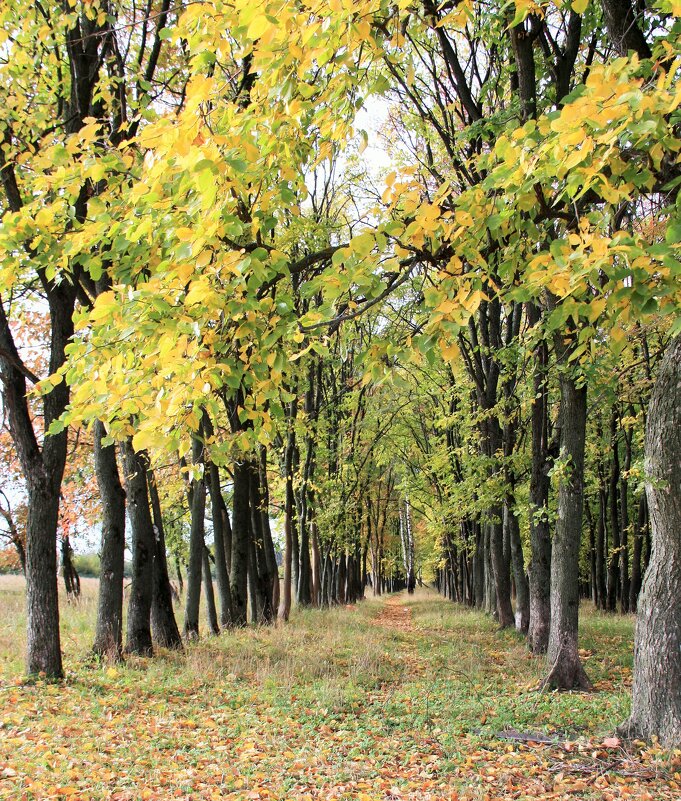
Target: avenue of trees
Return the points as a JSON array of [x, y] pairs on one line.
[[465, 367]]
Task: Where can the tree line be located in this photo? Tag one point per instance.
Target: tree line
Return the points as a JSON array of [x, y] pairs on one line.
[[457, 358]]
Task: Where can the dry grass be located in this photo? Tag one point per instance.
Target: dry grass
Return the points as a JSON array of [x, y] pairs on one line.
[[394, 698]]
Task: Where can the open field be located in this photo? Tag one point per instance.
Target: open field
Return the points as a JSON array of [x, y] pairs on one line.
[[398, 698]]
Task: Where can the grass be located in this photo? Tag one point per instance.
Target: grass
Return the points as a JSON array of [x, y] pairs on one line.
[[404, 699]]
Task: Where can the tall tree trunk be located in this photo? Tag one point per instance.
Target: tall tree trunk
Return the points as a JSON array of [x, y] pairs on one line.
[[289, 511], [270, 553], [656, 698], [197, 544], [593, 585], [540, 535], [238, 579], [42, 466], [109, 628], [316, 562], [500, 567], [565, 668], [263, 577], [218, 513], [624, 515], [211, 611], [601, 545], [479, 567], [138, 633], [341, 578], [68, 569], [254, 594], [635, 583], [44, 650], [613, 495], [522, 590], [164, 629]]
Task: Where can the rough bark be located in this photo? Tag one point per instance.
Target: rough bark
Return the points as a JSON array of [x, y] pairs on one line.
[[138, 632], [43, 646], [270, 553], [522, 590], [109, 628], [614, 560], [211, 610], [624, 513], [218, 515], [164, 629], [289, 507], [621, 20], [565, 668], [238, 579], [656, 693], [635, 583], [197, 544], [540, 535], [264, 579]]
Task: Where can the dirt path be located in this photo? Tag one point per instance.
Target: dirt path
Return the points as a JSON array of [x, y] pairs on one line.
[[394, 615]]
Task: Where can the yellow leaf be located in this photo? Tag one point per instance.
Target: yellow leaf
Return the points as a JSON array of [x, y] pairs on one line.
[[259, 24], [184, 234], [451, 352]]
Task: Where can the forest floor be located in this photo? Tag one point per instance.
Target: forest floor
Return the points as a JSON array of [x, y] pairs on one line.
[[392, 699]]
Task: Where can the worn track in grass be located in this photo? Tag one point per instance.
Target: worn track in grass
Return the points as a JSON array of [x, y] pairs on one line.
[[404, 697]]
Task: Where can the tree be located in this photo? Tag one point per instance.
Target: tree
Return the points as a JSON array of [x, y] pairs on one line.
[[656, 701]]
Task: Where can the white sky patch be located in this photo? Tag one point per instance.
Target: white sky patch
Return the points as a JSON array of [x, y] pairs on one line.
[[371, 118]]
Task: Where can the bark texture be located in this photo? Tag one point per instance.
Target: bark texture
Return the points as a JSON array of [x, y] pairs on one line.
[[138, 633], [197, 544], [109, 631], [241, 527], [164, 628], [656, 694], [540, 536], [566, 671]]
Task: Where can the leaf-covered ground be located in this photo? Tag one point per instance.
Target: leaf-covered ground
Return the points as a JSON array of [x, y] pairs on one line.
[[400, 698]]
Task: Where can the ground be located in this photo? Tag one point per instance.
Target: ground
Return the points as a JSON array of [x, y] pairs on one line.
[[395, 698]]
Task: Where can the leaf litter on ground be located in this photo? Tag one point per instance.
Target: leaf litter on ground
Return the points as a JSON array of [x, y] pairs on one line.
[[398, 698]]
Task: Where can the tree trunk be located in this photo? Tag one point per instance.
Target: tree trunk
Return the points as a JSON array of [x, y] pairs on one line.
[[624, 515], [68, 569], [217, 504], [264, 579], [593, 584], [316, 562], [601, 561], [109, 628], [42, 467], [540, 535], [635, 583], [522, 590], [44, 651], [270, 553], [238, 578], [479, 567], [289, 507], [138, 634], [565, 669], [656, 694], [211, 611], [164, 629], [197, 544], [614, 557]]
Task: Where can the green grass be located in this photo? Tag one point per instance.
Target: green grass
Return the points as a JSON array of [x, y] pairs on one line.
[[339, 704]]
